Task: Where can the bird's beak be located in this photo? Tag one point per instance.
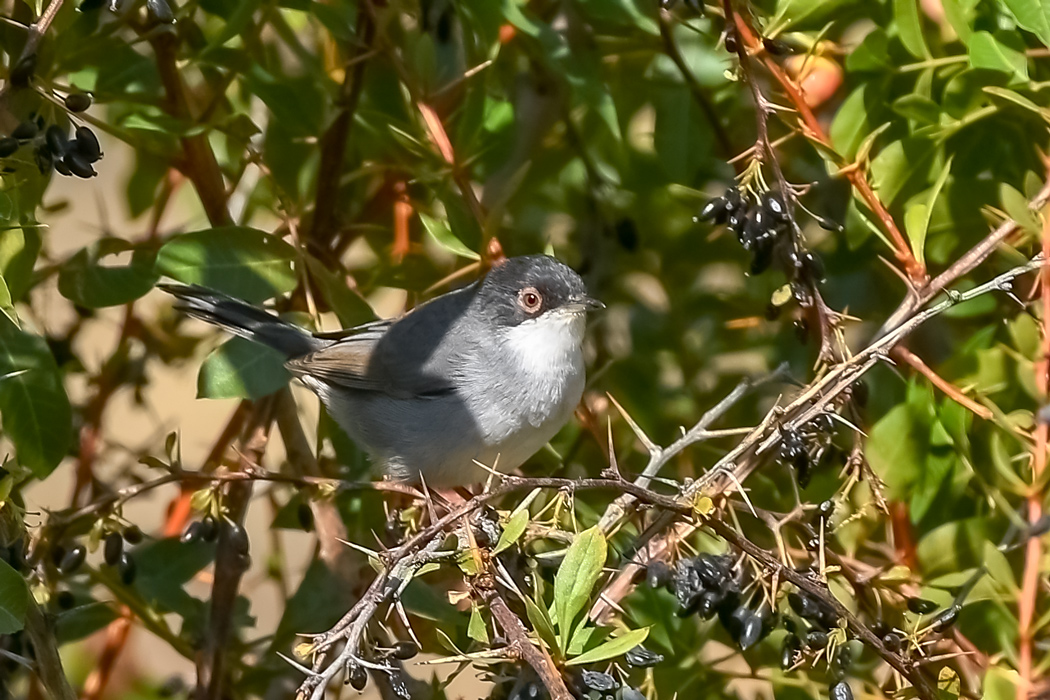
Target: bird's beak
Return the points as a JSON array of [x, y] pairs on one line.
[[588, 303]]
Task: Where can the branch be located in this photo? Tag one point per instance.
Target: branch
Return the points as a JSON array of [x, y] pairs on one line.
[[1033, 556], [333, 142], [329, 526], [966, 263], [200, 164], [659, 456], [535, 656], [38, 29], [231, 562], [48, 662], [732, 469]]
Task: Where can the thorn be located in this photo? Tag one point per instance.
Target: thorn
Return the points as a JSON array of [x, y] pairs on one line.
[[651, 446]]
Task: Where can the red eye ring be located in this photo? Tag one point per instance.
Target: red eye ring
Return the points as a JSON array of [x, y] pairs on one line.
[[530, 300]]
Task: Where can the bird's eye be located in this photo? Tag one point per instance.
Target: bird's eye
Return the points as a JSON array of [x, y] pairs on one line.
[[530, 300]]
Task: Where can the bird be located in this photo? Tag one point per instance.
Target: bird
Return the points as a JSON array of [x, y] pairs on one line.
[[482, 375]]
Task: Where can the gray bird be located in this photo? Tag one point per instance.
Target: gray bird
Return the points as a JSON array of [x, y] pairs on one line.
[[487, 373]]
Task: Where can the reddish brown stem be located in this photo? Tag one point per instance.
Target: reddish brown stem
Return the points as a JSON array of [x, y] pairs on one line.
[[199, 163], [813, 130], [90, 432], [1026, 605], [116, 638], [179, 510], [950, 390]]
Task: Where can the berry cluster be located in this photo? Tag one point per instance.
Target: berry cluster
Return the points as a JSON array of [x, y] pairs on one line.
[[69, 557], [53, 148], [808, 447], [711, 585], [764, 227], [759, 223], [207, 530]]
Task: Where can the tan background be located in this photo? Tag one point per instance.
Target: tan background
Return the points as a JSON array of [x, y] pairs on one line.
[[86, 210]]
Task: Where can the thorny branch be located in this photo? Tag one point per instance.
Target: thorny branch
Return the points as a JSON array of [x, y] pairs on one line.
[[751, 43], [719, 482], [231, 559]]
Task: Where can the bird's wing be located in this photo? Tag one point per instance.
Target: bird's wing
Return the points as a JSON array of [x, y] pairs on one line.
[[344, 363], [351, 362]]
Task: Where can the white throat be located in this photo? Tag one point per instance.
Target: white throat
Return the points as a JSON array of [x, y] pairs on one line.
[[547, 348]]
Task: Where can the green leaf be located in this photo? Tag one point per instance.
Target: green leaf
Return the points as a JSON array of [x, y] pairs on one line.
[[797, 14], [351, 308], [918, 107], [1033, 15], [897, 448], [14, 599], [82, 621], [541, 622], [611, 648], [476, 628], [1017, 207], [19, 248], [959, 14], [917, 216], [851, 124], [1017, 99], [240, 368], [986, 51], [514, 529], [899, 163], [909, 27], [34, 407], [245, 262], [679, 137], [84, 280], [443, 236], [576, 577], [166, 565], [6, 306], [952, 547]]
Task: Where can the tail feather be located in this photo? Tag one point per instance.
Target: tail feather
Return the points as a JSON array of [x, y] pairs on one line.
[[243, 319]]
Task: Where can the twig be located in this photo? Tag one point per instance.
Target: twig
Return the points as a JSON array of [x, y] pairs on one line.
[[439, 137], [725, 146], [116, 637], [230, 564], [48, 662], [329, 526], [535, 656], [333, 142], [967, 262], [200, 164], [107, 382], [39, 28], [950, 390], [179, 512], [821, 316], [733, 468], [659, 456]]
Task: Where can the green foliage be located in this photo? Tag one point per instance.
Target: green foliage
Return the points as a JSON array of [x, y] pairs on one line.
[[327, 160], [14, 599]]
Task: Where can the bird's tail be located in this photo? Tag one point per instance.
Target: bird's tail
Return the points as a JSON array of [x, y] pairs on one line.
[[242, 319]]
